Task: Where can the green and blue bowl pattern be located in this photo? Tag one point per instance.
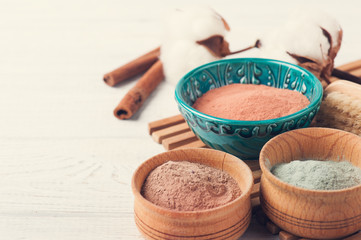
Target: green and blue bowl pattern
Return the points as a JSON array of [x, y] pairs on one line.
[[245, 139]]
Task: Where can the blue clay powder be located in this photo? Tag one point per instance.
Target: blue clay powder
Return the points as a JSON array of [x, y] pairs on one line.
[[318, 175]]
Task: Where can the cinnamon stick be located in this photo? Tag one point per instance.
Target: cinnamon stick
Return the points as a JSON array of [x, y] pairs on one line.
[[345, 75], [133, 68], [136, 96]]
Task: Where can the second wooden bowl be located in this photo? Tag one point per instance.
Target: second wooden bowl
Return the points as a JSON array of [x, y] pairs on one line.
[[311, 213], [229, 221]]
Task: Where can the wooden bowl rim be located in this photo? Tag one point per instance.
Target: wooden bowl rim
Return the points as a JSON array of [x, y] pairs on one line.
[[299, 190], [245, 193]]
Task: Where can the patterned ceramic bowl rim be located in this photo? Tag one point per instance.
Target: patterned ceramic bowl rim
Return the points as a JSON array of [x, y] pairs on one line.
[[318, 91]]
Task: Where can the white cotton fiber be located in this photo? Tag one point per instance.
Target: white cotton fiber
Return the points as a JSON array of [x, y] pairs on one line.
[[179, 57], [324, 20], [180, 51], [302, 35], [307, 41], [193, 23]]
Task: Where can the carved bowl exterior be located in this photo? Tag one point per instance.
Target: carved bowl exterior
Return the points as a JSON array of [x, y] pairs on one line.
[[245, 139]]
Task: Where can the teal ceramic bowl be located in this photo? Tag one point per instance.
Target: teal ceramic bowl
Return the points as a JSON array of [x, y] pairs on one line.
[[245, 139]]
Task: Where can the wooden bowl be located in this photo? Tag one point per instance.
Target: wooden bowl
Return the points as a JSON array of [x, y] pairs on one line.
[[229, 221], [311, 213]]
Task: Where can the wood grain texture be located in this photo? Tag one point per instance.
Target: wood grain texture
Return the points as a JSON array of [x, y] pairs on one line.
[[355, 236], [350, 66], [287, 236], [195, 144], [255, 190], [272, 228], [311, 213], [164, 123], [171, 131], [257, 175], [179, 140], [356, 72], [229, 221]]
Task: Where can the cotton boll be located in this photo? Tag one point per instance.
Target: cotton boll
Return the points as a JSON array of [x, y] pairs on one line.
[[176, 25], [330, 31], [186, 34], [271, 39], [277, 54], [273, 48], [179, 57], [300, 38], [324, 20], [210, 25], [310, 38], [308, 41], [193, 23]]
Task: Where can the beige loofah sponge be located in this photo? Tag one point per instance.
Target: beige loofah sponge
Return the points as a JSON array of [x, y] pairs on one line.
[[341, 107]]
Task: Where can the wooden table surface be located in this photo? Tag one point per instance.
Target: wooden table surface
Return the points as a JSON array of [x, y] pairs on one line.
[[65, 161]]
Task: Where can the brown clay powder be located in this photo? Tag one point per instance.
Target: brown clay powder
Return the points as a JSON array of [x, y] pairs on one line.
[[186, 186], [250, 102]]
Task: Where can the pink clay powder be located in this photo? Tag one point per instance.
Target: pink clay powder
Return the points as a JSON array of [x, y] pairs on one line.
[[188, 186], [250, 102]]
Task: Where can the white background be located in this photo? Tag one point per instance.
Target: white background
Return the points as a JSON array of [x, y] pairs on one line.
[[65, 161]]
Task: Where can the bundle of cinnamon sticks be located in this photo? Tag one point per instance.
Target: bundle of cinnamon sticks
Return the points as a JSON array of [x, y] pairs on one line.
[[152, 67]]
